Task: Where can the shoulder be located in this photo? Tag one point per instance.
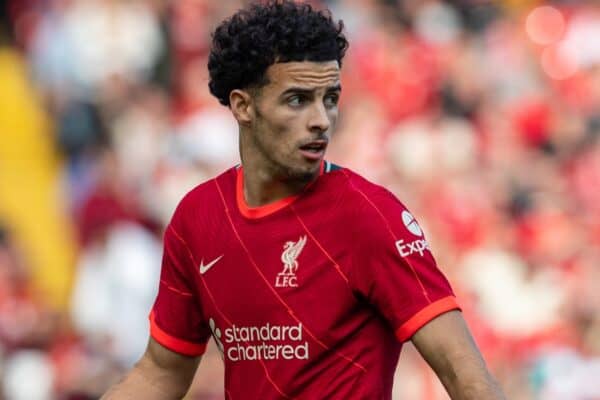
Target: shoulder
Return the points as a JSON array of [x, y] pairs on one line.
[[364, 196], [375, 214], [203, 200]]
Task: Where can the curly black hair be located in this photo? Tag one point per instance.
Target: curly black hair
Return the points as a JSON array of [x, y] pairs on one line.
[[247, 43]]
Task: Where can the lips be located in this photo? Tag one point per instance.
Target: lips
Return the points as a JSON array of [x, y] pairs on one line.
[[314, 150], [316, 146]]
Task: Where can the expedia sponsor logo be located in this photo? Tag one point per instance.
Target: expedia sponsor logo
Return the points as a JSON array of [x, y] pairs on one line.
[[418, 246], [267, 342], [411, 223], [406, 249]]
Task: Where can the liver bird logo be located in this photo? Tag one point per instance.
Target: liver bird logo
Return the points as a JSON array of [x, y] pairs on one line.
[[291, 251]]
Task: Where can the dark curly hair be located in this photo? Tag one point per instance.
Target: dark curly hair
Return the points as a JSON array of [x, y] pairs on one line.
[[247, 43]]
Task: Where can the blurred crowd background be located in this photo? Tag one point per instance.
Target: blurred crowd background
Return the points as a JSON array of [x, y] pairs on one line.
[[483, 117]]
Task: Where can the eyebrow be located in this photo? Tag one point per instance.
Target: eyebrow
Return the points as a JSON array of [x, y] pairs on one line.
[[295, 89]]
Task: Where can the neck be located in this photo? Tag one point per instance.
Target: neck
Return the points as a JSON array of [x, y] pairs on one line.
[[261, 190], [263, 185], [266, 183]]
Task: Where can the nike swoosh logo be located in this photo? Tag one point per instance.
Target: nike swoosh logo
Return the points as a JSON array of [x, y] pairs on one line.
[[204, 268]]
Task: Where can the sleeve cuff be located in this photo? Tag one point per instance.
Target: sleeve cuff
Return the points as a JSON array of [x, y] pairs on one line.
[[416, 322], [175, 344]]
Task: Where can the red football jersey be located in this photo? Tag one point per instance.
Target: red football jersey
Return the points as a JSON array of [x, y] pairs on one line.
[[309, 297]]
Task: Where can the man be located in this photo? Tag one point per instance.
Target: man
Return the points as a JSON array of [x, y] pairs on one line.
[[308, 277]]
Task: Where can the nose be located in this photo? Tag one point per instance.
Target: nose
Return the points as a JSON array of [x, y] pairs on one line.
[[319, 119]]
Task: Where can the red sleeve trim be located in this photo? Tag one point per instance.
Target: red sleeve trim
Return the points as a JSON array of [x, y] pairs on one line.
[[416, 322], [173, 343]]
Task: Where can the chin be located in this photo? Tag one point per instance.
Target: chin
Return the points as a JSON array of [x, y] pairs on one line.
[[302, 173], [308, 173]]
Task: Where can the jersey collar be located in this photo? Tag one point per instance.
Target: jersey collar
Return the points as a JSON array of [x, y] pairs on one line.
[[267, 209]]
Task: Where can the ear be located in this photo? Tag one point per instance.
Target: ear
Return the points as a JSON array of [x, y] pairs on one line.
[[241, 103]]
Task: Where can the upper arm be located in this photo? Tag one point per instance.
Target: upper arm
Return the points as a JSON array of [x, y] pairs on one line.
[[161, 358], [161, 363], [448, 347], [445, 341], [161, 374]]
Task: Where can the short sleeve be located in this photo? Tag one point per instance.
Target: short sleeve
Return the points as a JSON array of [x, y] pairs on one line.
[[393, 267], [176, 319]]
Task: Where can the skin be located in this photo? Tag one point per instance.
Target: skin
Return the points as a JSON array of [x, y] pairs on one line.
[[297, 106], [161, 374], [447, 346]]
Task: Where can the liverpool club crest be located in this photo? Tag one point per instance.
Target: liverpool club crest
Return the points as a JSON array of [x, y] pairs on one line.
[[289, 258]]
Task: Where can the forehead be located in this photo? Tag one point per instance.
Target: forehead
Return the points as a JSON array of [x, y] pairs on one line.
[[307, 74]]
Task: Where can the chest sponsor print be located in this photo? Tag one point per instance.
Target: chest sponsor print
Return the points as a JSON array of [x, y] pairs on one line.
[[265, 342]]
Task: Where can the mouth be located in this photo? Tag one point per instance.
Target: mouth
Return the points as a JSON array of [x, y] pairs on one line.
[[314, 150]]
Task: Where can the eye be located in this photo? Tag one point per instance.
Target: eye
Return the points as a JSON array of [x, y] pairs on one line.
[[296, 100], [331, 100]]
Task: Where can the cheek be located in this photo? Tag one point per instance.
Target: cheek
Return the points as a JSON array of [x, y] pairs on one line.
[[288, 125], [280, 127], [276, 133], [333, 116]]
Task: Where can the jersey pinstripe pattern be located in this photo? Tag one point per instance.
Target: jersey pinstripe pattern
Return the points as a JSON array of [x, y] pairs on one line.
[[310, 297]]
